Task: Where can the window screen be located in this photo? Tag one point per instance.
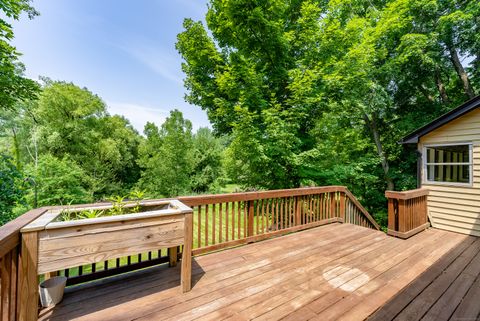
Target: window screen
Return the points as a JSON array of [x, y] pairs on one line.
[[449, 164]]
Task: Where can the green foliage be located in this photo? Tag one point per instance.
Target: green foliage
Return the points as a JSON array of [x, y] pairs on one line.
[[72, 121], [119, 207], [207, 173], [11, 193], [14, 87], [318, 93], [57, 181], [166, 157]]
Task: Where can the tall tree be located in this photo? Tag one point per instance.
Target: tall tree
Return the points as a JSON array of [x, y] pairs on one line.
[[166, 157], [208, 161], [14, 87], [381, 68]]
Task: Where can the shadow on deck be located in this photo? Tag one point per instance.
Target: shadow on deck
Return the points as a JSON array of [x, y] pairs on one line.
[[337, 271]]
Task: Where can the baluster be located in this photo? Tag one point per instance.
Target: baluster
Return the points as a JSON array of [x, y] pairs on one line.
[[206, 225], [199, 226], [281, 212], [220, 227], [234, 206], [227, 213], [239, 218], [214, 221], [245, 218], [263, 215]]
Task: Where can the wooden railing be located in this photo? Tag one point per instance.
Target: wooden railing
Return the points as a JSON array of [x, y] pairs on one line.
[[407, 212], [12, 281], [226, 220], [220, 221]]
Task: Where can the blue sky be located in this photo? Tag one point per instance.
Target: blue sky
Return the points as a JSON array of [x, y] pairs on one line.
[[122, 50]]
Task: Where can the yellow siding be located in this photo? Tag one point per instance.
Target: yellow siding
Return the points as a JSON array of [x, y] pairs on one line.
[[456, 208]]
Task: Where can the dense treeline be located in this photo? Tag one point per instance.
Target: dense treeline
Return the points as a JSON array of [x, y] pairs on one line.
[[65, 148], [299, 93], [319, 92]]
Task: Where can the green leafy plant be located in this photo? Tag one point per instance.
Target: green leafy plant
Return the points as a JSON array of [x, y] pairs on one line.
[[92, 213], [118, 205], [137, 196]]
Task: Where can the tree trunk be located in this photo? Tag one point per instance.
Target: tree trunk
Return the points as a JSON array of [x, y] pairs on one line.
[[461, 71], [425, 93], [372, 125], [16, 149], [441, 87]]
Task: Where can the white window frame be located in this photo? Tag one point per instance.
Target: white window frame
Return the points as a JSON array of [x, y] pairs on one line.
[[425, 163]]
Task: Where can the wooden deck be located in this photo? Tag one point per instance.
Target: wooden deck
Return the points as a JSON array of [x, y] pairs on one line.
[[333, 272]]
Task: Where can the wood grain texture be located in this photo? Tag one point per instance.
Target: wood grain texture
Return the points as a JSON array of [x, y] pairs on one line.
[[10, 232], [59, 252], [186, 277], [28, 278]]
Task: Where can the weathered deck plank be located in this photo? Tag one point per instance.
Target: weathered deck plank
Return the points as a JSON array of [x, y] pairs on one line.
[[448, 290], [338, 270]]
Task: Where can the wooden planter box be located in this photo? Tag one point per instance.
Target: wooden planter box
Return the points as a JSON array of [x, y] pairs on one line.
[[53, 246]]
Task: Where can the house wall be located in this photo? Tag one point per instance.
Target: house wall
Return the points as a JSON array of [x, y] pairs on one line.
[[456, 208]]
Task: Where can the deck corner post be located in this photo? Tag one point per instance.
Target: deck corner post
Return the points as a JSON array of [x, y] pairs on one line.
[[28, 278], [186, 274]]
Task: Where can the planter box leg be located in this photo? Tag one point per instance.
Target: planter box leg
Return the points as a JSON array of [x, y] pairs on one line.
[[186, 274], [28, 279]]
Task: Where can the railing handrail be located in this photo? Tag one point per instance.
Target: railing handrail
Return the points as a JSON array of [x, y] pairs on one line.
[[256, 195], [10, 232], [405, 195]]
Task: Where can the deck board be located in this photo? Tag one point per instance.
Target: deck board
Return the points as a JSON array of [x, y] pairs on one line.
[[447, 290], [337, 271]]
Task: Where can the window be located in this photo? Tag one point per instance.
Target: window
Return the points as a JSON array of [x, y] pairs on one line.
[[448, 164]]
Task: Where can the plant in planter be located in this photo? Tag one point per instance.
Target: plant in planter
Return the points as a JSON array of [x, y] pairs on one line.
[[119, 206]]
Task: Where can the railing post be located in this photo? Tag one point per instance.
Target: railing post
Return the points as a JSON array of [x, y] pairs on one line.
[[186, 273], [251, 209], [28, 278], [407, 212]]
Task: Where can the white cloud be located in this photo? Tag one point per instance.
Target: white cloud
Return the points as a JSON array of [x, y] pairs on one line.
[[155, 58], [138, 115]]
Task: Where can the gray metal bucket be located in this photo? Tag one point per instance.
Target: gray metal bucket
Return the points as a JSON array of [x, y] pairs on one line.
[[51, 290]]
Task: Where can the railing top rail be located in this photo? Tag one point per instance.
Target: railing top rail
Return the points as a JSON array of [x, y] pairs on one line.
[[406, 195], [249, 196]]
